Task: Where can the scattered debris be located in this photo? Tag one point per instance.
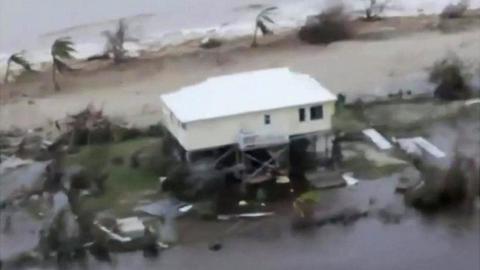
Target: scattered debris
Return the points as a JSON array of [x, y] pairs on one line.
[[282, 179], [168, 208], [111, 234], [405, 184], [377, 138], [131, 227], [242, 203], [210, 43], [409, 179], [245, 215], [324, 179], [349, 179], [215, 246], [186, 208]]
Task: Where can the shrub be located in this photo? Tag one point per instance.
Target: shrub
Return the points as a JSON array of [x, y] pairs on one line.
[[453, 11], [329, 26], [450, 78]]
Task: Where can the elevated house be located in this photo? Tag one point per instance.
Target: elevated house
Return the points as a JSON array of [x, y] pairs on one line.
[[243, 112]]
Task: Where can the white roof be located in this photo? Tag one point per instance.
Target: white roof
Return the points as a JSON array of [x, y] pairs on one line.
[[240, 93]]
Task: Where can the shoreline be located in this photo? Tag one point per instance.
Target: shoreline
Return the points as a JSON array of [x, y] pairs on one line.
[[375, 65], [227, 32]]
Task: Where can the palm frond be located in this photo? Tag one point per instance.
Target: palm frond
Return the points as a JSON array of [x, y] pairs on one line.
[[263, 28], [266, 18], [267, 10], [63, 48], [19, 59]]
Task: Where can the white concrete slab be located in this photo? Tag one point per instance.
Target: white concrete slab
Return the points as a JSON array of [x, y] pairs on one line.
[[429, 147], [377, 139]]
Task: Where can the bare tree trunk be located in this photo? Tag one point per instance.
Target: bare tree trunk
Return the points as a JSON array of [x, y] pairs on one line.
[[7, 72], [254, 41], [54, 76]]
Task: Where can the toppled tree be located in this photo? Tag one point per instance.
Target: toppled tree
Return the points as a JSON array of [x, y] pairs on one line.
[[62, 49], [452, 11], [19, 59], [261, 22], [450, 78], [329, 26], [455, 186], [115, 42], [375, 9]]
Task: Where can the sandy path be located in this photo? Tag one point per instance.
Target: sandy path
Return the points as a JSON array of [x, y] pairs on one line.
[[357, 68]]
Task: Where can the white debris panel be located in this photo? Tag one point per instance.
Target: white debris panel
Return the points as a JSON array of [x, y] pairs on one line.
[[377, 139], [131, 227], [429, 147], [415, 145]]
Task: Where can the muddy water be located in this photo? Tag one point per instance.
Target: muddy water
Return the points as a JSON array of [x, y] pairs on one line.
[[417, 242], [447, 241]]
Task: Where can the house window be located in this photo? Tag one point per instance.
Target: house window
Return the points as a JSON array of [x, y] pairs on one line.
[[316, 112], [301, 115], [267, 119]]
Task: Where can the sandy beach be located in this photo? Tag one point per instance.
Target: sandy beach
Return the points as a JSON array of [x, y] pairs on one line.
[[386, 56]]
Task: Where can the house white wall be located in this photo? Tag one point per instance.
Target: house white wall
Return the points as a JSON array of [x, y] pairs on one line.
[[224, 131]]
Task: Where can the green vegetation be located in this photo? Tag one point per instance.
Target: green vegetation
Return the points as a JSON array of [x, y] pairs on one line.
[[261, 23], [125, 185], [62, 49], [19, 59], [349, 119], [115, 41], [367, 169]]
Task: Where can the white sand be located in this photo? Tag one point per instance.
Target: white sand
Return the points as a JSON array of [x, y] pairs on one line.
[[356, 68]]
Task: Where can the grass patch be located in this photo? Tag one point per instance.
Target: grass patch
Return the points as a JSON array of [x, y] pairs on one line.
[[366, 169], [125, 185], [349, 119]]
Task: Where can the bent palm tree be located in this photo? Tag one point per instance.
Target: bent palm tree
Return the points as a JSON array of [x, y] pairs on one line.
[[18, 59], [115, 41], [62, 49], [261, 23]]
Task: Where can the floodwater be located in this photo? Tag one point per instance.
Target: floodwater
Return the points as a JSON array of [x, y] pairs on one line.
[[416, 242], [444, 241]]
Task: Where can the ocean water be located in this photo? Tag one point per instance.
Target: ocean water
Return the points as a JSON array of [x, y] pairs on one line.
[[32, 25]]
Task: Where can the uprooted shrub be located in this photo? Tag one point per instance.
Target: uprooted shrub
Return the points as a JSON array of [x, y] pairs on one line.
[[452, 11], [374, 10], [451, 80], [329, 26], [443, 189]]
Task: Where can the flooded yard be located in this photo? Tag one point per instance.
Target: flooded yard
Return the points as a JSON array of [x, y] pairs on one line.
[[391, 234]]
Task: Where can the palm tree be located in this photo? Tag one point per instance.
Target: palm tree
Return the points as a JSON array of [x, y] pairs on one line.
[[115, 41], [261, 23], [62, 49], [18, 59]]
